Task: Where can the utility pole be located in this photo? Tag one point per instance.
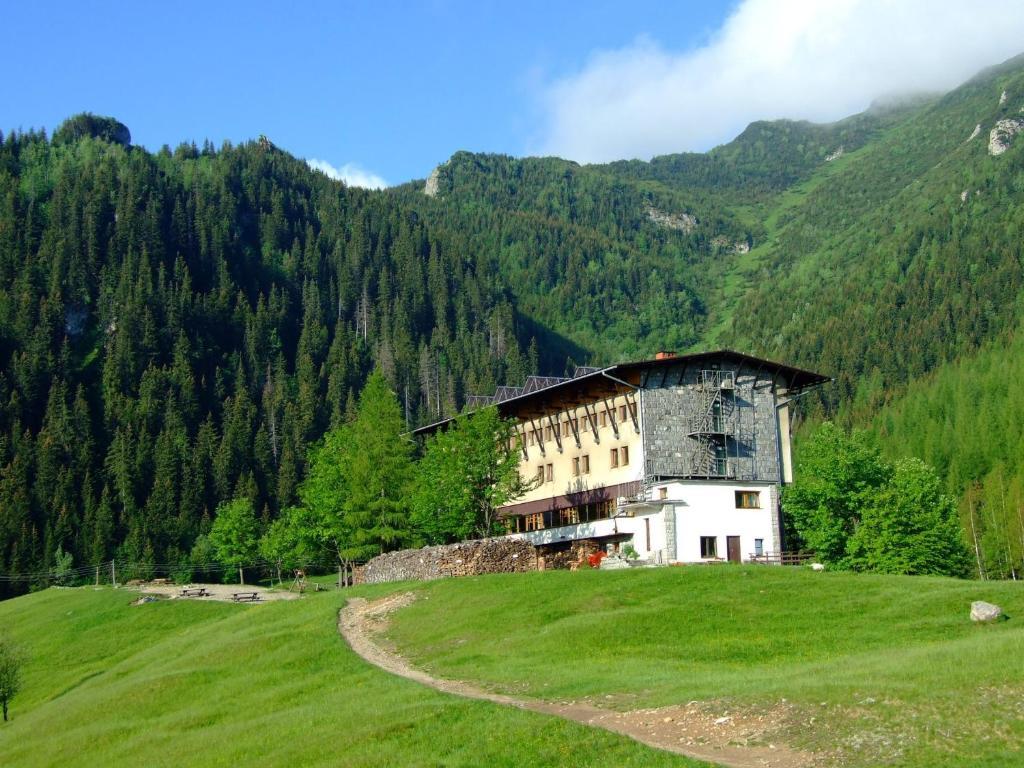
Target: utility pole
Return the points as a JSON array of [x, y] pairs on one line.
[[113, 574]]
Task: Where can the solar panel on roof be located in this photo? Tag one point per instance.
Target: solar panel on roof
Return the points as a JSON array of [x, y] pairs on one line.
[[535, 383], [501, 394]]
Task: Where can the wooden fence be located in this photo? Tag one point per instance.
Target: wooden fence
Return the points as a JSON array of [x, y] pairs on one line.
[[782, 558]]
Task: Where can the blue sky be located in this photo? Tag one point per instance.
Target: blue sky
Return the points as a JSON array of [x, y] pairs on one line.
[[395, 87], [384, 91]]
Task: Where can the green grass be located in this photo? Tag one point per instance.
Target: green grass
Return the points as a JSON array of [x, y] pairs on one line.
[[179, 683], [890, 668], [878, 670]]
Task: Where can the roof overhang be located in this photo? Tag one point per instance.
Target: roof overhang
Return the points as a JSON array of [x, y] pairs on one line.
[[621, 378]]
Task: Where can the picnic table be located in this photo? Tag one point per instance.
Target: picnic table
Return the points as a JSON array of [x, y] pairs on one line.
[[195, 592], [245, 597]]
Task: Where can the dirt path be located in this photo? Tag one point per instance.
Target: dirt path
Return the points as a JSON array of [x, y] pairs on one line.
[[686, 730]]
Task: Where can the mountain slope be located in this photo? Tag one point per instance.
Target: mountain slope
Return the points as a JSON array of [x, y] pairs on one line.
[[177, 328]]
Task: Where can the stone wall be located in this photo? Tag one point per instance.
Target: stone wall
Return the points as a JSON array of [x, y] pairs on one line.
[[468, 558], [668, 404]]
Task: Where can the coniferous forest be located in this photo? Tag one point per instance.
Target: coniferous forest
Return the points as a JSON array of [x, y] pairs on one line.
[[178, 327]]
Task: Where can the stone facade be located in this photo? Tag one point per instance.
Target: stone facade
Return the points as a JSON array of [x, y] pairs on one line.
[[467, 558], [669, 402]]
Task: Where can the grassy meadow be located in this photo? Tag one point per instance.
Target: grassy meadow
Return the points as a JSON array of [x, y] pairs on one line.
[[877, 669], [873, 670], [178, 683]]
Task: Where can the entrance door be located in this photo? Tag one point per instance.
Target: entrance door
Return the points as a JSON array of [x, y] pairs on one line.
[[732, 544]]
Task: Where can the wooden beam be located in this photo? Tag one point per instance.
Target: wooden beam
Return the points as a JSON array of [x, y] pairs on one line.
[[540, 438], [575, 431], [522, 444], [611, 415], [557, 430], [592, 417], [631, 409]]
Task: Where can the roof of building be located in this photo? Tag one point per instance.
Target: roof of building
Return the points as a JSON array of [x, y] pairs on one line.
[[569, 390]]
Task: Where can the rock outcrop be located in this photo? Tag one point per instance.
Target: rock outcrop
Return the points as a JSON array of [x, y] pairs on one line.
[[1002, 135], [834, 155], [725, 245], [684, 222], [433, 185], [975, 132]]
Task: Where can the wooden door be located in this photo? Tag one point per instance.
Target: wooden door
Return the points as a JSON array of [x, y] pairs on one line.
[[732, 545]]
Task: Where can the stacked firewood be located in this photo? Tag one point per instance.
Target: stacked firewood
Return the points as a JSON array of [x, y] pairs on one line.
[[576, 556], [467, 558]]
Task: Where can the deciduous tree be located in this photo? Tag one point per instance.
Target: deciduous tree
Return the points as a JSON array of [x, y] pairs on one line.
[[467, 472], [235, 535], [11, 660]]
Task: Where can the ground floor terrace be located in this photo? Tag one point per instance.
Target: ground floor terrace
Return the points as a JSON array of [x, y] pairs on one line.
[[668, 522]]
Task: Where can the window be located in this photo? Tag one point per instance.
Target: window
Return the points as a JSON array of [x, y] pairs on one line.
[[624, 455], [622, 413], [603, 418], [548, 433], [708, 546], [576, 466], [758, 547], [748, 500], [534, 522], [549, 473], [532, 437], [581, 425], [585, 464], [663, 493], [615, 458], [540, 474]]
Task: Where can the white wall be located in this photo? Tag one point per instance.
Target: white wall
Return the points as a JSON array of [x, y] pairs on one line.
[[709, 509]]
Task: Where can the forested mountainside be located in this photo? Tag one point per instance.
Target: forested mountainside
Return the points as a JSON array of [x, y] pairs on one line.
[[178, 327]]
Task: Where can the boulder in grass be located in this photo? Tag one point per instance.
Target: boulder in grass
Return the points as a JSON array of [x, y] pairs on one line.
[[982, 611]]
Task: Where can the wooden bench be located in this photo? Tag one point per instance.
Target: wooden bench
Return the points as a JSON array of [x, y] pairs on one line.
[[196, 592], [161, 582], [245, 597]]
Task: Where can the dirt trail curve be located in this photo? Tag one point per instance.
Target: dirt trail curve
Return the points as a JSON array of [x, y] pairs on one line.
[[685, 730]]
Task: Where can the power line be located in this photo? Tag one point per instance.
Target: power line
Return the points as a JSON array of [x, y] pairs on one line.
[[125, 566]]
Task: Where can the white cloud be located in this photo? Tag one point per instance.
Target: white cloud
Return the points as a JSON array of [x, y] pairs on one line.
[[350, 173], [801, 59]]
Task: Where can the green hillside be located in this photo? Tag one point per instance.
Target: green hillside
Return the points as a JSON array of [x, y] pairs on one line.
[[178, 327], [187, 684], [878, 669], [906, 256], [864, 670]]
